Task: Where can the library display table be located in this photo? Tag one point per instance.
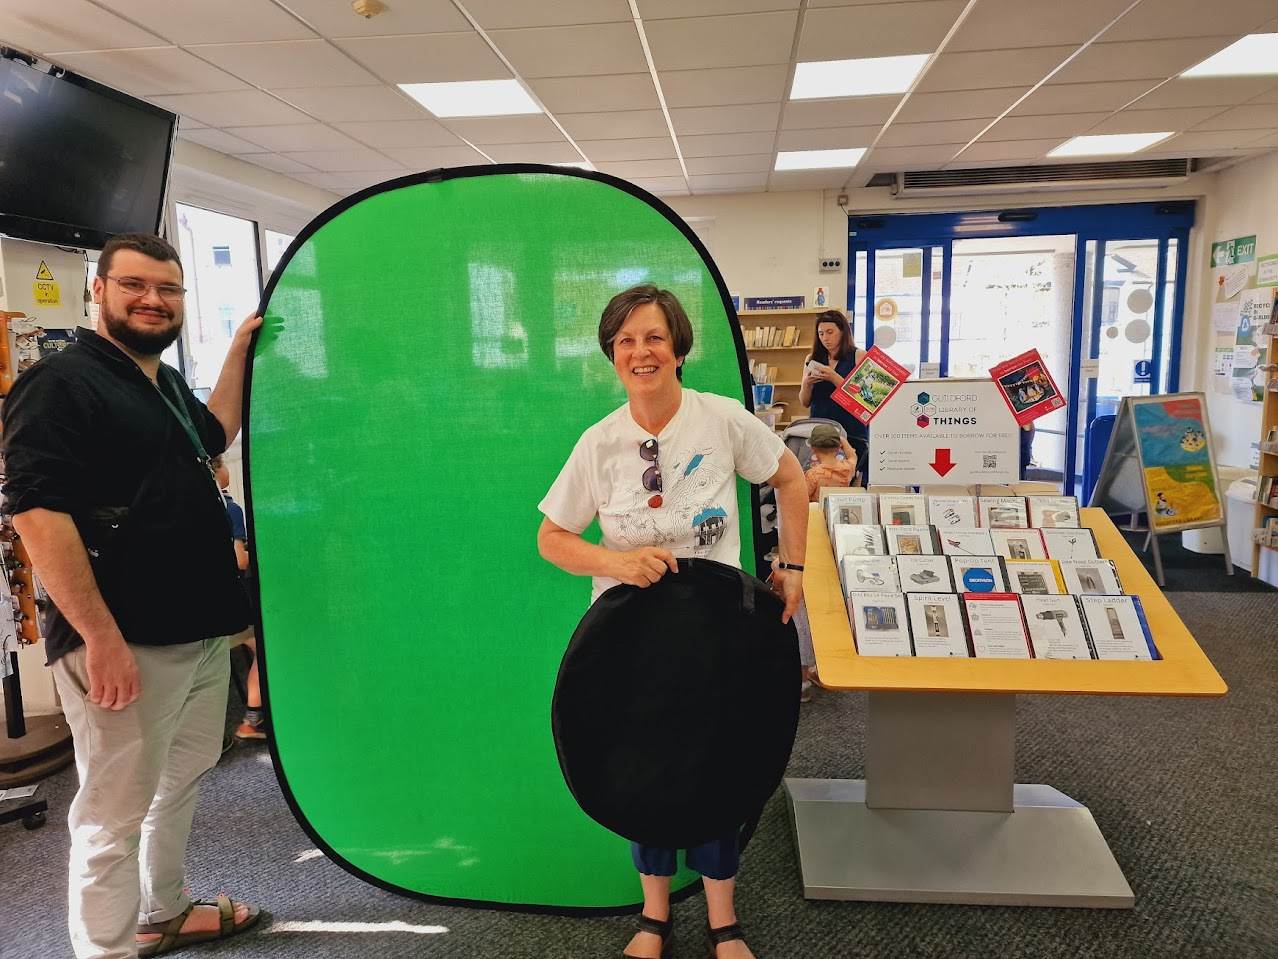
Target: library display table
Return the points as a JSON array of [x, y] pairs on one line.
[[939, 816]]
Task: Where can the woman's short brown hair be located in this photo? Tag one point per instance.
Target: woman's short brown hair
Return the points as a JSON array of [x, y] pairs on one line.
[[621, 306]]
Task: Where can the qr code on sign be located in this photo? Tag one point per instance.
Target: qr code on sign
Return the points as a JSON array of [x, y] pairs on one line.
[[991, 461]]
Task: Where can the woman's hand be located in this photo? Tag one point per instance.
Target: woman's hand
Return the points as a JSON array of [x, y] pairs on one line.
[[644, 566]]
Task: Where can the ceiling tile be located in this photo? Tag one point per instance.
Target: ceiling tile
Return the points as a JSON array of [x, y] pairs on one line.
[[618, 91], [1270, 96], [382, 134], [325, 181], [744, 118], [580, 51], [957, 105], [726, 144], [627, 169], [336, 104], [343, 161], [294, 136], [1055, 98], [502, 14], [639, 148], [1190, 18], [707, 88], [1140, 59], [988, 69], [235, 108], [827, 138], [226, 21], [1248, 117], [482, 130], [877, 30], [904, 157], [278, 163], [1195, 144], [808, 179], [427, 58], [1014, 24], [673, 9], [561, 152], [151, 70], [1267, 141], [1206, 92], [843, 112], [614, 126], [744, 182], [705, 166], [77, 25], [661, 186], [1154, 121], [418, 16], [293, 63], [921, 134], [1064, 126], [431, 158], [1007, 151], [220, 141], [711, 42]]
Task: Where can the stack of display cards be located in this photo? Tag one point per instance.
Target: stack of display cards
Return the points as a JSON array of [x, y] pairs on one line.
[[924, 574], [858, 541], [861, 573], [1118, 627], [965, 542], [1055, 625], [978, 574], [996, 627], [1052, 511], [936, 623], [852, 508], [902, 509], [1070, 543], [1002, 512], [910, 540], [825, 492], [1038, 577], [1090, 577], [880, 624], [952, 512], [1018, 543]]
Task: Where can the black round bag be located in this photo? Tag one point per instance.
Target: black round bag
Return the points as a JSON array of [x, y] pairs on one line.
[[676, 705]]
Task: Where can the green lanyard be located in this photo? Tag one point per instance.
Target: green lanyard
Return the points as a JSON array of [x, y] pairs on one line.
[[184, 419]]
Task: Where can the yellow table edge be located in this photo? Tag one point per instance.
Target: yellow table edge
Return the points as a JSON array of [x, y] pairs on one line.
[[1184, 669]]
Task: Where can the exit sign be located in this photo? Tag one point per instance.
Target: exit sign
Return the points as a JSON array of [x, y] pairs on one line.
[[1230, 252]]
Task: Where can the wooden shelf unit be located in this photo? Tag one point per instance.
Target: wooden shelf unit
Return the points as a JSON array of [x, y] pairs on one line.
[[1268, 461], [787, 359]]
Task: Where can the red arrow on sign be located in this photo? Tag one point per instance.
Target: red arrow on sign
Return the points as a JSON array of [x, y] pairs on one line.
[[942, 462]]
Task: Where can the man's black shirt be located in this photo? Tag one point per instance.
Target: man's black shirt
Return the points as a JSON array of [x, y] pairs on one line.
[[87, 433]]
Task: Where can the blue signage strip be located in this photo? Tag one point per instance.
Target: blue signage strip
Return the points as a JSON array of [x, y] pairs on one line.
[[1143, 372], [775, 302]]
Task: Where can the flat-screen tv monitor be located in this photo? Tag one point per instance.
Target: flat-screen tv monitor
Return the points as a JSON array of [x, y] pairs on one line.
[[79, 162]]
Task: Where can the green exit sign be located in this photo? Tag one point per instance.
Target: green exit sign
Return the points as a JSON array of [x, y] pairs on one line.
[[1240, 250]]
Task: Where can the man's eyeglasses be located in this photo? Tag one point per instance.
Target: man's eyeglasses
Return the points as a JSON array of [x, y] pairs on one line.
[[652, 475], [132, 286]]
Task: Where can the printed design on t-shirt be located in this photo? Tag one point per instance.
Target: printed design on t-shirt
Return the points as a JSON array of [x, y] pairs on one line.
[[689, 480]]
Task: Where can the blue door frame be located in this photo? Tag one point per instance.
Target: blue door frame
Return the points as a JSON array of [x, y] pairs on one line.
[[1163, 222]]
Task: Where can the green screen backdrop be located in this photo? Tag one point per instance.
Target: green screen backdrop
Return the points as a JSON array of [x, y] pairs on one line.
[[429, 359]]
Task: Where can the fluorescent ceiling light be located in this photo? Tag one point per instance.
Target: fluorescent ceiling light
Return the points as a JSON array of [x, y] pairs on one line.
[[1107, 145], [1255, 55], [855, 78], [819, 159], [473, 98]]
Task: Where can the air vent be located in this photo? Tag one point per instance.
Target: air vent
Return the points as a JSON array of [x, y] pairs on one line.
[[1060, 176]]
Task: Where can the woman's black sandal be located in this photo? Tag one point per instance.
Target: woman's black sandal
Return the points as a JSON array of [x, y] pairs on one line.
[[658, 928], [723, 934]]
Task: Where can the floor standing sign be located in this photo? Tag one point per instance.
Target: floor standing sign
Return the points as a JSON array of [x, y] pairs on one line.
[[1161, 462]]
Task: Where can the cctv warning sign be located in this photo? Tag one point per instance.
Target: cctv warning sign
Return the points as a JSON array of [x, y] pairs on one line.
[[45, 289]]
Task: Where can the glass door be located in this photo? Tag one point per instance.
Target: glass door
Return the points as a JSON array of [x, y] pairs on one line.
[[899, 307]]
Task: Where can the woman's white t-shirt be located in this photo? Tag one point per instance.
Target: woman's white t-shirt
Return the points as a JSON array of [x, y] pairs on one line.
[[705, 445]]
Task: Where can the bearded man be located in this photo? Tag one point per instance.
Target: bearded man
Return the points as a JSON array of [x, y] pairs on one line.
[[107, 474]]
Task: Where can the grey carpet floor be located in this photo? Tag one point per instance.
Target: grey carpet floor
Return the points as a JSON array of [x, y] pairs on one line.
[[1183, 789]]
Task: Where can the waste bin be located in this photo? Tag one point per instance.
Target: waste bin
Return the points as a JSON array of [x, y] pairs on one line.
[[1240, 510]]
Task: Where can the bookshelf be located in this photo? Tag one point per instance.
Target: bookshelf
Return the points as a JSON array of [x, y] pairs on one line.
[[786, 360], [1268, 461]]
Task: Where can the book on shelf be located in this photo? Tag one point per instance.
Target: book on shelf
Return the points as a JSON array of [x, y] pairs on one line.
[[861, 573], [1038, 577], [996, 626], [863, 540], [1018, 543], [1070, 543], [880, 623], [948, 512], [1006, 512], [1052, 511], [965, 542], [1055, 625], [902, 509], [915, 540], [979, 574], [1090, 577], [924, 574], [936, 625], [1118, 628], [852, 508]]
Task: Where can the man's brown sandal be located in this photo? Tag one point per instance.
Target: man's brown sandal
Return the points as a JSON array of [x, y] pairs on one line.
[[171, 934], [659, 929]]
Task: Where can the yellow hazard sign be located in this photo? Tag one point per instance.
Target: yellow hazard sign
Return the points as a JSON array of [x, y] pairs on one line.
[[44, 273], [46, 293]]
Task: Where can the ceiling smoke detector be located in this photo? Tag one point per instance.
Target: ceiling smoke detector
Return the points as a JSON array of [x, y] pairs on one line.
[[368, 8]]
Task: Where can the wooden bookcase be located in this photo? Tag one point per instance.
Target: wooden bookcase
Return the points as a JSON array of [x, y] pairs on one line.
[[1268, 460], [787, 359]]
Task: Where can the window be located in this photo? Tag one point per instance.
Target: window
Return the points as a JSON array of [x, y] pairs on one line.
[[276, 245], [221, 256]]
